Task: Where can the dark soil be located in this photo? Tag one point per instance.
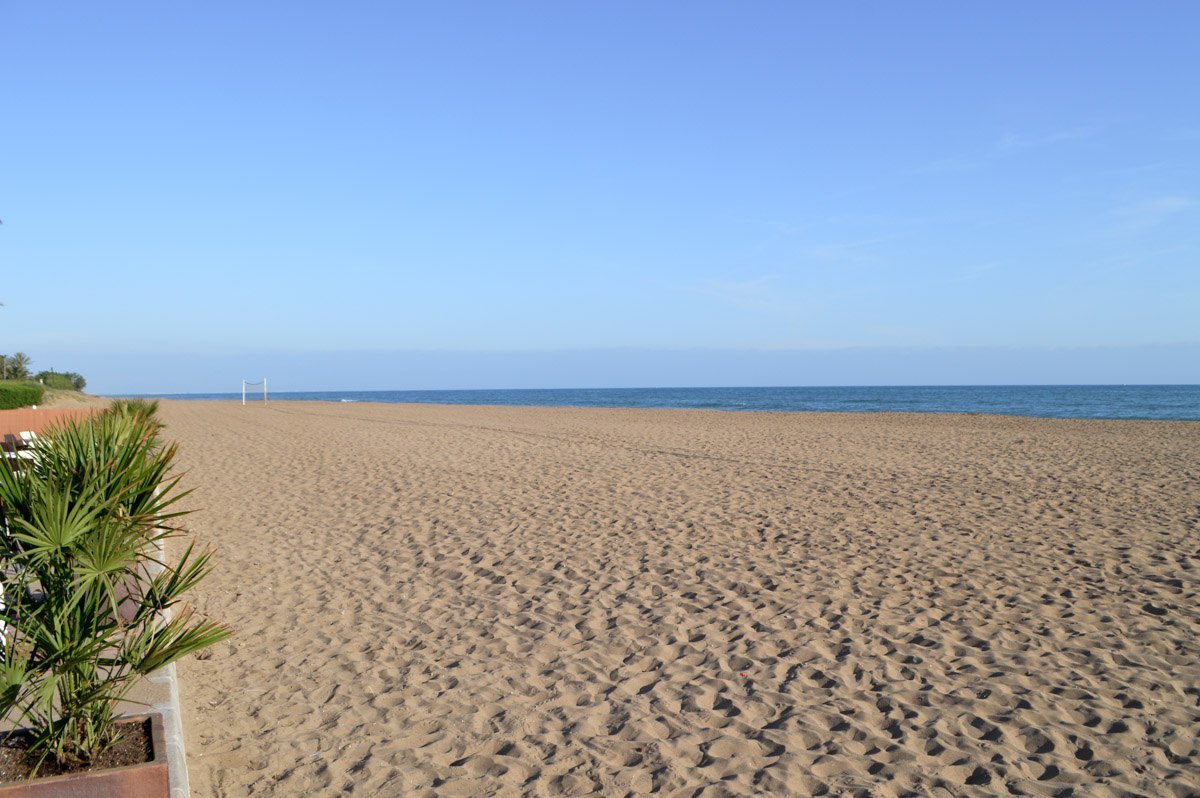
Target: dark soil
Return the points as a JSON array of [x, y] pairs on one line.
[[133, 748]]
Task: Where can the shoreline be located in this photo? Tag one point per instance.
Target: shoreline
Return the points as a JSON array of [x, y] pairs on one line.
[[934, 414]]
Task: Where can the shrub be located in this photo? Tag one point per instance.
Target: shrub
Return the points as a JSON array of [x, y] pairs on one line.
[[87, 586], [63, 381], [20, 394], [137, 408]]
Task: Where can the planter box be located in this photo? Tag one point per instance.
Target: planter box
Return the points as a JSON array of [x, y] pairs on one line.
[[147, 780]]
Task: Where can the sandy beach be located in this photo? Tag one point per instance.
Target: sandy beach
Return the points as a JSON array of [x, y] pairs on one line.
[[459, 601]]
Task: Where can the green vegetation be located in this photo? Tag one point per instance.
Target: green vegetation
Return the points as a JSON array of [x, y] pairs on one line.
[[145, 409], [14, 367], [14, 371], [62, 381], [87, 589], [20, 394]]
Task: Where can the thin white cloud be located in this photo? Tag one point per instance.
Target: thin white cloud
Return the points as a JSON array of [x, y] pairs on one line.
[[1182, 134], [974, 272], [1150, 212], [906, 335], [1125, 172], [1011, 143], [755, 294], [1006, 146], [848, 251]]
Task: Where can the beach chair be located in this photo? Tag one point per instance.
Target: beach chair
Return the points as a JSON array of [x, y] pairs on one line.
[[17, 448]]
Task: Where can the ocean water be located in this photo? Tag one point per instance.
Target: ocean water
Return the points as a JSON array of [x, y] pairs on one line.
[[1174, 402]]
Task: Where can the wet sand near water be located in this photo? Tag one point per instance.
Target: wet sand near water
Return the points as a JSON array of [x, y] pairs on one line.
[[455, 601]]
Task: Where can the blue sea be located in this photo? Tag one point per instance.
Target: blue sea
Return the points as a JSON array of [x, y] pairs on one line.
[[1174, 402]]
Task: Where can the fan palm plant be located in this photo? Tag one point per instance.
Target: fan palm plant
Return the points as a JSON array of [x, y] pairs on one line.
[[87, 590], [145, 409]]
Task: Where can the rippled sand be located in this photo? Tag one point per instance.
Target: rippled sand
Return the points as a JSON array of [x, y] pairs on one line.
[[460, 601]]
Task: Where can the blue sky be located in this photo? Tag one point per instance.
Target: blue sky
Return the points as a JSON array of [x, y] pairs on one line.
[[277, 186]]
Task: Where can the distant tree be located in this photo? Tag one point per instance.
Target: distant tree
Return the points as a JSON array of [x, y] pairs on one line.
[[7, 369], [62, 381], [18, 366]]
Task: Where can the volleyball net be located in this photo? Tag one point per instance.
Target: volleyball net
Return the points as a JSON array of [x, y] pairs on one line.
[[253, 386]]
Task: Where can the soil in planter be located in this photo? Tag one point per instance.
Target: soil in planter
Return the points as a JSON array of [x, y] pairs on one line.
[[134, 748]]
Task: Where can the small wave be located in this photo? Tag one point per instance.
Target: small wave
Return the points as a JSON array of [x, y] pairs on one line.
[[347, 400]]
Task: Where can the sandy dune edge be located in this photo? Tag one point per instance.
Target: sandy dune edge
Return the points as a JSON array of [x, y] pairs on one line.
[[510, 601]]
